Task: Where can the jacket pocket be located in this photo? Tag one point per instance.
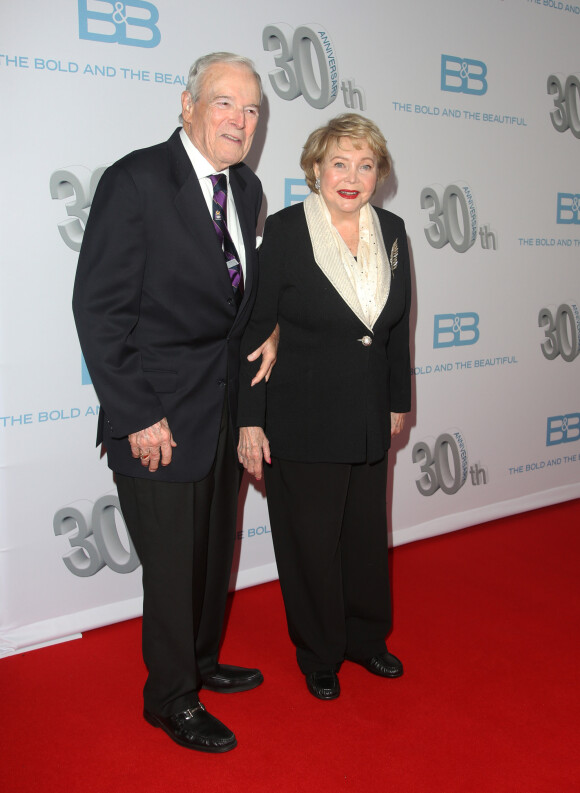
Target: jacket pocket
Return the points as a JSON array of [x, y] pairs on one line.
[[163, 382]]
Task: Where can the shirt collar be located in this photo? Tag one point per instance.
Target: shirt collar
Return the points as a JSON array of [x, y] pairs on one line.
[[202, 167]]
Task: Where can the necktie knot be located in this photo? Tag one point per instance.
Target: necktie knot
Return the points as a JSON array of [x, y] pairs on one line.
[[219, 180]]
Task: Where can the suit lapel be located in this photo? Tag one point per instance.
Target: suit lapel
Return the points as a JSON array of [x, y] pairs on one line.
[[334, 269], [191, 206], [387, 231]]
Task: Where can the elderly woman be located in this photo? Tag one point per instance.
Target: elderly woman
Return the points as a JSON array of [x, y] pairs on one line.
[[334, 274]]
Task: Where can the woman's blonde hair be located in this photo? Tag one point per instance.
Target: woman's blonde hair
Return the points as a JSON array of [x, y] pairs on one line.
[[359, 130]]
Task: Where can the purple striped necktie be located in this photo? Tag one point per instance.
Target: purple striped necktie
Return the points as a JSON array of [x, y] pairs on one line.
[[219, 216]]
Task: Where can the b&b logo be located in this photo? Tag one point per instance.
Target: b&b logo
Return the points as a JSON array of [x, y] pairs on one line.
[[563, 429], [463, 75], [568, 208], [116, 26], [85, 376], [295, 191], [455, 330]]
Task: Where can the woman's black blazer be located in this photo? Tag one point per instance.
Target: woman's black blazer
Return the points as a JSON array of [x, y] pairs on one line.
[[330, 397]]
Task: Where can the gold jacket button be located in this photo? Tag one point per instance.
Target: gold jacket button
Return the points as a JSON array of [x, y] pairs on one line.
[[366, 340]]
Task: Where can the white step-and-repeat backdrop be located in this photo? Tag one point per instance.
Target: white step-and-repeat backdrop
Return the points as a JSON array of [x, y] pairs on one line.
[[480, 103]]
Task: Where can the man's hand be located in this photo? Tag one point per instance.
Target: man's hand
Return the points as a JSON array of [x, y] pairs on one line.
[[153, 445], [269, 353], [397, 423], [252, 449]]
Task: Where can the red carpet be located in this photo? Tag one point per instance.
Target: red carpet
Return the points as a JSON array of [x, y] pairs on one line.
[[486, 621]]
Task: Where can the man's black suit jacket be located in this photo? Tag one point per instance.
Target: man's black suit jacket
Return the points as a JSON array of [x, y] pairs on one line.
[[154, 306], [329, 397]]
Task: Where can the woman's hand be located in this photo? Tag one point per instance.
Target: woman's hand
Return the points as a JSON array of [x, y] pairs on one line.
[[252, 449], [269, 351], [397, 423]]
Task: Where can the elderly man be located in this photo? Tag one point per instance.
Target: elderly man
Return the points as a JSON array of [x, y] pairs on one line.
[[165, 285]]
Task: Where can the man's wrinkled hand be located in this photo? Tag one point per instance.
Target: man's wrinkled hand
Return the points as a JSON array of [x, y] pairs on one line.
[[153, 445]]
